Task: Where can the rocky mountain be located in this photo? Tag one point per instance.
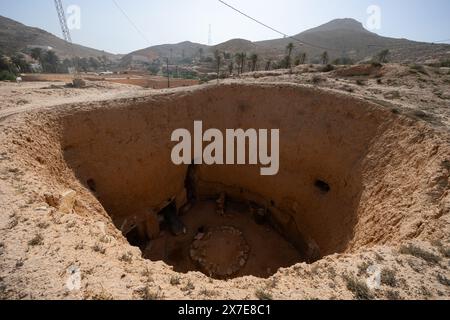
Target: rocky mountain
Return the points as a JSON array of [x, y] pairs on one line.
[[340, 38], [16, 37]]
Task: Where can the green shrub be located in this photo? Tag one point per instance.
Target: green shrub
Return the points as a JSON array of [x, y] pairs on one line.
[[419, 253], [358, 287], [6, 75]]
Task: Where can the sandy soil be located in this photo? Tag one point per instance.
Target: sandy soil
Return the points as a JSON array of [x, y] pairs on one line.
[[80, 254], [25, 96]]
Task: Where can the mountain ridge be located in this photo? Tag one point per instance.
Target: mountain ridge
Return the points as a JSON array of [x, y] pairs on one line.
[[17, 37], [344, 37]]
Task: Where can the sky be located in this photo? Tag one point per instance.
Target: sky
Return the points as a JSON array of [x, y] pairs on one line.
[[102, 25]]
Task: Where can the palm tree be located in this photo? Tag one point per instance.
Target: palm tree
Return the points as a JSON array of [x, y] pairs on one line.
[[50, 61], [289, 49], [36, 54], [231, 67], [383, 56], [254, 59], [240, 59], [218, 57], [325, 57], [302, 58]]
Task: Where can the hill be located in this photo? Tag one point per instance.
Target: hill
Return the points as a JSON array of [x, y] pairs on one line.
[[340, 38], [15, 37]]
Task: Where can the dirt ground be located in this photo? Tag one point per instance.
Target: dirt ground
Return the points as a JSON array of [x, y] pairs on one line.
[[72, 249]]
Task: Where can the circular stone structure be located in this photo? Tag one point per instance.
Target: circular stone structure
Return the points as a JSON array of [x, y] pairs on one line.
[[357, 182], [221, 253]]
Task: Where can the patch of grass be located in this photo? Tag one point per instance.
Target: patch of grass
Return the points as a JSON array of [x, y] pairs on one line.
[[376, 64], [360, 82], [359, 288], [388, 278], [262, 294], [420, 253], [392, 295], [443, 280], [43, 225], [419, 68], [13, 223], [208, 293], [7, 76], [105, 239], [272, 283], [444, 250], [99, 248], [80, 245], [317, 79], [327, 68], [189, 286], [37, 240], [424, 291], [102, 296], [362, 268], [126, 257], [175, 280], [148, 294]]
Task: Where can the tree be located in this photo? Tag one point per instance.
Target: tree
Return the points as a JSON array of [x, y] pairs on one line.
[[268, 64], [254, 61], [21, 64], [230, 68], [7, 67], [4, 63], [83, 64], [94, 63], [325, 58], [50, 62], [154, 67], [218, 58], [65, 65], [200, 52], [36, 54], [382, 56], [104, 62], [302, 58], [240, 59], [343, 61], [289, 49]]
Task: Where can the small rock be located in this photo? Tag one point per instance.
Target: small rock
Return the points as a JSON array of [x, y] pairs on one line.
[[199, 236], [445, 95], [67, 201], [42, 209], [79, 83], [391, 95]]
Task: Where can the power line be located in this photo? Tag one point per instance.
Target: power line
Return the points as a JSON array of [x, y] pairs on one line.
[[131, 22], [273, 29]]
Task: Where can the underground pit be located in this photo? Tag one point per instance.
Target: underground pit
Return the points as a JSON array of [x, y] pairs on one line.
[[340, 161]]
